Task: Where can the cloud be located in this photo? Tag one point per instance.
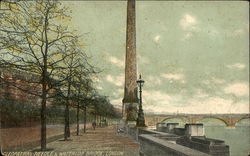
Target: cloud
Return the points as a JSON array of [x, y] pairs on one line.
[[116, 102], [95, 79], [99, 88], [116, 61], [215, 105], [116, 80], [156, 99], [188, 22], [247, 26], [200, 94], [109, 78], [237, 89], [217, 80], [170, 76], [211, 31], [153, 81], [160, 102], [142, 59], [118, 92], [241, 107], [187, 36], [237, 32], [157, 38], [202, 106], [236, 66], [213, 81]]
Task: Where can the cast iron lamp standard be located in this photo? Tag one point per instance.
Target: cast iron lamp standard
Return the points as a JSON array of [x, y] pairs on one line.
[[140, 120]]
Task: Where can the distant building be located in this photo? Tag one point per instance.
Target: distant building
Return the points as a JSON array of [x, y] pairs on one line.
[[16, 86], [20, 105]]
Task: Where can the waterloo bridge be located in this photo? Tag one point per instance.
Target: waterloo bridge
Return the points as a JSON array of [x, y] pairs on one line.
[[230, 120]]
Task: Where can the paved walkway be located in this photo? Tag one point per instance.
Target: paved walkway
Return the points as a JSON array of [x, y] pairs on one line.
[[102, 141], [20, 138]]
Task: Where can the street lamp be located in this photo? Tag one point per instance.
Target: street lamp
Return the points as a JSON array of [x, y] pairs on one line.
[[140, 120]]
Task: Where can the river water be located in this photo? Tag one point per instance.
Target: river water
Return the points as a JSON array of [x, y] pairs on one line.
[[238, 137]]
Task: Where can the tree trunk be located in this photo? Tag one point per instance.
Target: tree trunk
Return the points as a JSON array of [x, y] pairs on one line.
[[77, 119], [43, 118], [100, 121], [44, 86], [85, 118], [66, 126], [78, 108]]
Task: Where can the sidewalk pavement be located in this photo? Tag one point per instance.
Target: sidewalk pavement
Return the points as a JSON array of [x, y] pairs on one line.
[[98, 142]]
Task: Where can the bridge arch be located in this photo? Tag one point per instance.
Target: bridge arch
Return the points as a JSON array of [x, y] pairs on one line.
[[213, 118], [182, 118], [245, 118]]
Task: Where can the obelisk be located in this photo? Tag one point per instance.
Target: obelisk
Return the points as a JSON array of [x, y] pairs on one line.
[[130, 100]]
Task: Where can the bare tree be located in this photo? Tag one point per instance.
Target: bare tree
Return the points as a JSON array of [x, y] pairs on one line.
[[76, 76], [84, 87], [32, 37]]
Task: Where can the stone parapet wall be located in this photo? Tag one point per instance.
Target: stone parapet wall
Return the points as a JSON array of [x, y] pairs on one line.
[[132, 132], [152, 146], [212, 146], [191, 142]]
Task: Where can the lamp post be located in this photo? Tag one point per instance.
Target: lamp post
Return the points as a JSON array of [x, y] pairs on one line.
[[140, 120]]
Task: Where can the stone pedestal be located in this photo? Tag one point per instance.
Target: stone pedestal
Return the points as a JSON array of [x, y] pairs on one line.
[[194, 130], [160, 127], [171, 126], [131, 112], [195, 138]]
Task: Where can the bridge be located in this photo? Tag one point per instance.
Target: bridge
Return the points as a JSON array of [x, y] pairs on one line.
[[230, 120]]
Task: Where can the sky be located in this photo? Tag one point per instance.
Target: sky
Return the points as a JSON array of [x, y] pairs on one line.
[[193, 56]]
